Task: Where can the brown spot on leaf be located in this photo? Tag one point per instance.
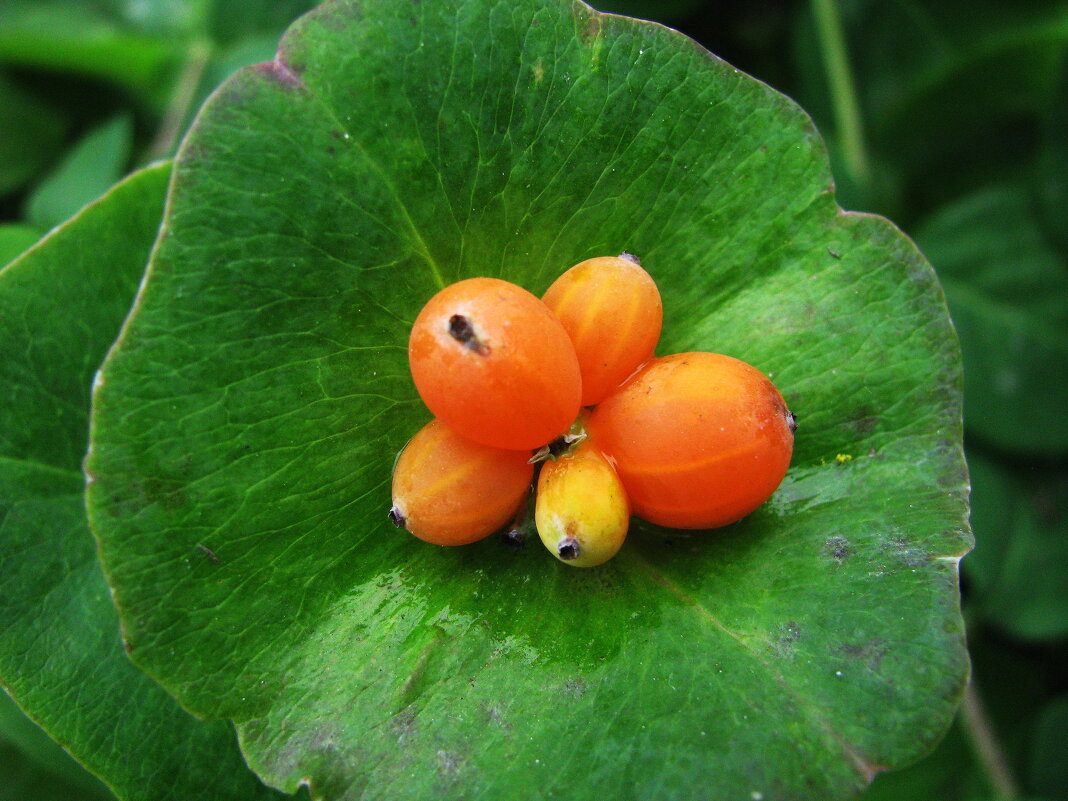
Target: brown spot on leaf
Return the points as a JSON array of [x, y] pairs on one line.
[[865, 420], [870, 652], [285, 74], [495, 716], [575, 687], [838, 548], [403, 724], [592, 28], [908, 553], [450, 764], [791, 632], [785, 638]]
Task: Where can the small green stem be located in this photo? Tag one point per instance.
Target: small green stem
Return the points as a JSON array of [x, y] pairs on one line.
[[185, 88], [986, 746], [843, 92]]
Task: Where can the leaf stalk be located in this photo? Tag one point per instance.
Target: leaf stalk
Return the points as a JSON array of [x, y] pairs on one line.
[[847, 117], [986, 746]]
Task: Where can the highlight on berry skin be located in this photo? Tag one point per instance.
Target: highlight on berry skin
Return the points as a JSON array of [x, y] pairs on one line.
[[492, 362], [581, 511], [612, 311], [448, 490], [700, 440]]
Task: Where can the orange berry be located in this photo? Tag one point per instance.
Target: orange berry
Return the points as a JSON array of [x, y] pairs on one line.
[[493, 363], [611, 309], [699, 440], [450, 491], [581, 510]]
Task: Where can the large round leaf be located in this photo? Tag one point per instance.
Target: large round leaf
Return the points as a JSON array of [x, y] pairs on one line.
[[246, 423]]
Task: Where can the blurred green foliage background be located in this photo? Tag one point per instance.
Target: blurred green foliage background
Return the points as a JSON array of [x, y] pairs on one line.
[[948, 116]]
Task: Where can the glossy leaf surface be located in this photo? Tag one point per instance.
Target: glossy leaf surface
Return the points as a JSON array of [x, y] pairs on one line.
[[246, 424]]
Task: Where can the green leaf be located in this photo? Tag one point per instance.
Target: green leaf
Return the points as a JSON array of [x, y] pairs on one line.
[[245, 426], [222, 36], [231, 21], [1052, 173], [1006, 289], [31, 134], [1048, 773], [61, 655], [1004, 57], [25, 779], [939, 776], [96, 162], [43, 769], [76, 37], [659, 10], [15, 238], [1020, 569], [914, 63], [206, 68]]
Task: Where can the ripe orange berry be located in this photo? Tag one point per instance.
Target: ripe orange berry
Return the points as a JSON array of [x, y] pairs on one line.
[[700, 440], [450, 491], [581, 510], [493, 363], [611, 309]]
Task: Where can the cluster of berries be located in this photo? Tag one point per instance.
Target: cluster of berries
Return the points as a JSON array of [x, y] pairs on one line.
[[567, 386]]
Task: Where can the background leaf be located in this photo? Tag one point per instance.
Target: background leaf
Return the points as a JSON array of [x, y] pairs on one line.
[[1006, 288], [61, 656], [31, 133], [81, 38], [34, 765], [947, 89], [1051, 175], [1011, 591], [246, 423], [86, 172], [1048, 772]]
